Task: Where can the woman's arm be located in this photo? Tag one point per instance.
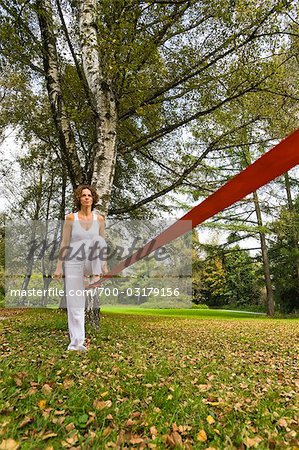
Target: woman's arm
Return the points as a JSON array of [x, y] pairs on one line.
[[101, 221], [65, 241]]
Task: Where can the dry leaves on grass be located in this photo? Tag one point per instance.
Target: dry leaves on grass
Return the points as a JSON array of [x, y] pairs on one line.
[[178, 437], [25, 422], [174, 440], [224, 372], [100, 404], [48, 435], [202, 436], [210, 420], [9, 444], [253, 442], [42, 404], [47, 389]]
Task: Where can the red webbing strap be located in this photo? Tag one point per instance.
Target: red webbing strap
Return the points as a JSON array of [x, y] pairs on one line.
[[277, 161]]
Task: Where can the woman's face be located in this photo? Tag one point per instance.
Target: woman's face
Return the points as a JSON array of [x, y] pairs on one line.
[[86, 198]]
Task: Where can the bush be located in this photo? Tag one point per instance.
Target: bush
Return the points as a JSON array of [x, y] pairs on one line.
[[251, 308], [199, 306]]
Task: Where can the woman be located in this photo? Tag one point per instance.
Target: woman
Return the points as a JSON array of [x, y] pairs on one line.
[[82, 251]]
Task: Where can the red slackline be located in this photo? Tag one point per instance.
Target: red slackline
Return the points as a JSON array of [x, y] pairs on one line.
[[281, 158]]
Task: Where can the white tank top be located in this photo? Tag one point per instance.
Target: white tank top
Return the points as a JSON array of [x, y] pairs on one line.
[[81, 239]]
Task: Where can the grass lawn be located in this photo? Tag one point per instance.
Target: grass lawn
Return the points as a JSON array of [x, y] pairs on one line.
[[157, 379], [188, 312]]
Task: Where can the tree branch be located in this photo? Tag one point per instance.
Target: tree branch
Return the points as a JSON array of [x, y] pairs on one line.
[[178, 81], [183, 175]]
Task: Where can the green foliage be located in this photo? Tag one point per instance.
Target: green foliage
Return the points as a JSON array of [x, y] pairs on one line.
[[223, 278], [170, 64], [284, 257], [214, 291], [242, 277], [199, 306]]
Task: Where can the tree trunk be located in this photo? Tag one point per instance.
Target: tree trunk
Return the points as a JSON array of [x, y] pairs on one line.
[[62, 303], [265, 257], [51, 67], [102, 164], [104, 151]]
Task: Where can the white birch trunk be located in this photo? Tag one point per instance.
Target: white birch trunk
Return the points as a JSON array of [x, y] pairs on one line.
[[105, 105], [59, 113]]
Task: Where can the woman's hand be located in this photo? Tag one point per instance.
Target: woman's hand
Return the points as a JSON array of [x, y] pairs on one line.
[[57, 274]]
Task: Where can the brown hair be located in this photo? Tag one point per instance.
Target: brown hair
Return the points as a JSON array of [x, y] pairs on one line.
[[78, 193]]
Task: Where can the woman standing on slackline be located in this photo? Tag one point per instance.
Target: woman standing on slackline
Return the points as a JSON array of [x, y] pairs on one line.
[[82, 251]]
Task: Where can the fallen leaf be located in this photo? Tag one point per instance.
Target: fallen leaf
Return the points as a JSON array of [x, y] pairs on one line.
[[174, 439], [252, 442], [92, 434], [282, 423], [175, 427], [130, 423], [59, 412], [48, 435], [68, 383], [69, 427], [58, 420], [32, 391], [183, 429], [46, 389], [9, 444], [72, 439], [154, 432], [46, 412], [25, 422], [136, 440], [107, 431], [98, 404], [210, 420], [202, 436], [42, 404]]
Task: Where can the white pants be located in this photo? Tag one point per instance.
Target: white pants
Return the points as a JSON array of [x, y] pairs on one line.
[[75, 297]]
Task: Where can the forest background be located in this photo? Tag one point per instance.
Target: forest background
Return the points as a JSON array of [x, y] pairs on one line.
[[158, 104]]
